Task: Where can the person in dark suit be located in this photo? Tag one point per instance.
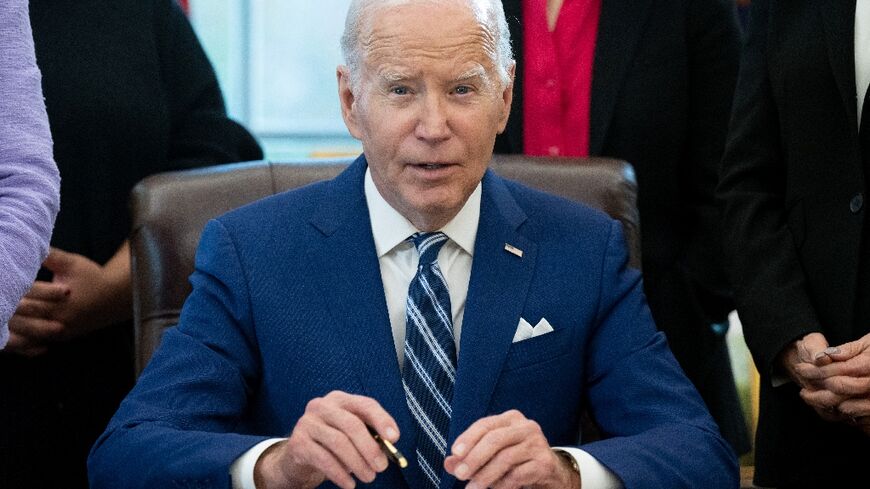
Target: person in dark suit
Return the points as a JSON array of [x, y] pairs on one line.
[[129, 92], [324, 310], [650, 82], [794, 183]]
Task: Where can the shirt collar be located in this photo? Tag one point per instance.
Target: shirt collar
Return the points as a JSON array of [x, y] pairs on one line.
[[390, 228]]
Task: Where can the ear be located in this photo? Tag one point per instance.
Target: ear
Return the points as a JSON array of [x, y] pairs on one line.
[[349, 108], [507, 98]]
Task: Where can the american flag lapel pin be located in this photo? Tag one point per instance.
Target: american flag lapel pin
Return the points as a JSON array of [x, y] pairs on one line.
[[513, 250]]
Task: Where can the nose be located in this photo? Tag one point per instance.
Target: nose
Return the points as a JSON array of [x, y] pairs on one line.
[[433, 123]]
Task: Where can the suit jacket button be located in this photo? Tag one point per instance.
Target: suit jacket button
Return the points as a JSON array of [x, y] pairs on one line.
[[856, 203]]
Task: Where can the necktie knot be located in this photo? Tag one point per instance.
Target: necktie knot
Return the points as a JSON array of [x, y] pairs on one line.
[[428, 245]]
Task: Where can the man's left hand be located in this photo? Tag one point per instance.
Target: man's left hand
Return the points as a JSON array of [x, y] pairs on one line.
[[508, 451], [846, 382]]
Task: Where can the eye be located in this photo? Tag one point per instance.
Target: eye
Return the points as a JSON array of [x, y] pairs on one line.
[[462, 90], [399, 90]]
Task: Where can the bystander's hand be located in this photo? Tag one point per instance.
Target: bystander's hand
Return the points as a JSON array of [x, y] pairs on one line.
[[82, 297], [801, 361], [508, 451], [330, 441], [845, 382]]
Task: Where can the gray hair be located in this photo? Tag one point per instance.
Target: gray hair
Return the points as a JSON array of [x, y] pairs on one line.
[[489, 12]]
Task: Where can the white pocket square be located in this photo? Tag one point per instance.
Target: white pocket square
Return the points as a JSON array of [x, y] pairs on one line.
[[526, 331]]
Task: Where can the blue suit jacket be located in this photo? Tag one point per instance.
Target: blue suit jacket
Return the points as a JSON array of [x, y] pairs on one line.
[[288, 305]]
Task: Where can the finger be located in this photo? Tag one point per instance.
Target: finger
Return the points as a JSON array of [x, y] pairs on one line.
[[855, 408], [848, 386], [371, 413], [857, 366], [36, 328], [848, 350], [810, 345], [822, 399], [471, 436], [343, 451], [820, 359], [520, 476], [357, 434], [35, 308], [352, 415], [22, 345], [48, 291], [324, 461], [809, 373], [58, 260], [488, 449], [500, 464]]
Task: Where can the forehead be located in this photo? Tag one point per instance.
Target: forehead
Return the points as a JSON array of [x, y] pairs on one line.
[[423, 31]]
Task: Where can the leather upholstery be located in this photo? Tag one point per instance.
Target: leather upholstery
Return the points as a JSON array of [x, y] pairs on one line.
[[171, 209]]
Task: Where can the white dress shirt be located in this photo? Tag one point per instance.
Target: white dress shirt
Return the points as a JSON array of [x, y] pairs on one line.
[[398, 262], [862, 52]]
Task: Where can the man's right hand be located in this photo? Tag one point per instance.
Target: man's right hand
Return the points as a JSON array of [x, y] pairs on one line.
[[330, 441]]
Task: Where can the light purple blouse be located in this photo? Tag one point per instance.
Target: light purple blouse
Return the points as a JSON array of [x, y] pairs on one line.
[[29, 181]]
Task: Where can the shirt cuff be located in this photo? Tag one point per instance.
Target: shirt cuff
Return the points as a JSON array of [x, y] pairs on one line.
[[593, 475], [242, 470]]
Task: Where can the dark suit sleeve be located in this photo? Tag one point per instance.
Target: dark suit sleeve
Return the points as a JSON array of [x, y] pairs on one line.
[[769, 282], [175, 429], [202, 133], [658, 432]]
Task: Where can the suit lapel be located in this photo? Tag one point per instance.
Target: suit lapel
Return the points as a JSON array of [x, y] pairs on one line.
[[362, 332], [496, 295], [838, 17], [619, 30]]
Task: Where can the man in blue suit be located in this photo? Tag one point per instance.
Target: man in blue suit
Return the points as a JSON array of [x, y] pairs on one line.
[[465, 318]]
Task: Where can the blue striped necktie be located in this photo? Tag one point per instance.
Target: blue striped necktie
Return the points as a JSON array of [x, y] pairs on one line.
[[430, 356]]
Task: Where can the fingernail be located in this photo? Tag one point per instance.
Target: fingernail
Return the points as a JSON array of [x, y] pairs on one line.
[[472, 485], [832, 350], [460, 473], [819, 355], [459, 449], [381, 463], [392, 434]]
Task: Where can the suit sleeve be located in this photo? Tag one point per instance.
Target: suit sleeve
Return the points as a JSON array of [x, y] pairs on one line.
[[202, 133], [657, 430], [175, 429], [770, 286]]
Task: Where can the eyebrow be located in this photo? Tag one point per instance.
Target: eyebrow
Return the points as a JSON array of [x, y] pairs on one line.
[[476, 72], [394, 76]]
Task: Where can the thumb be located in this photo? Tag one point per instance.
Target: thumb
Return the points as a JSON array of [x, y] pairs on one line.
[[847, 350], [58, 260], [810, 346]]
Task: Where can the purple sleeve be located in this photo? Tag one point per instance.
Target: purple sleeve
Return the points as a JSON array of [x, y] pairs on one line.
[[29, 180]]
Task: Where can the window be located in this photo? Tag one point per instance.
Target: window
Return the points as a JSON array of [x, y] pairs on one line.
[[276, 60]]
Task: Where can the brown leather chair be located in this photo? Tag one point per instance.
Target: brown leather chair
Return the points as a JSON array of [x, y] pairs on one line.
[[171, 209]]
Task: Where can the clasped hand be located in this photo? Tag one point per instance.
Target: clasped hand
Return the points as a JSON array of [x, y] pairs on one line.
[[331, 441], [834, 381], [82, 297]]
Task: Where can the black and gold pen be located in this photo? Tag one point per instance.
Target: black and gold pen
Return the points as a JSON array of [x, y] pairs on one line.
[[392, 452]]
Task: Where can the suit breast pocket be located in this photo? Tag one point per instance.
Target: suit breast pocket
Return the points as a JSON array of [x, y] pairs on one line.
[[538, 349]]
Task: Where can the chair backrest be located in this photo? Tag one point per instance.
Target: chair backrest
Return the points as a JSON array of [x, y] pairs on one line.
[[171, 209]]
